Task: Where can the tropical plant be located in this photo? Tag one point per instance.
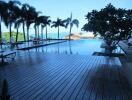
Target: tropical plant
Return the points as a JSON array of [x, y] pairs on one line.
[[23, 18], [28, 15], [58, 23], [17, 21], [3, 12], [110, 23], [17, 25], [31, 14], [40, 21], [44, 22], [12, 13], [71, 22], [37, 22]]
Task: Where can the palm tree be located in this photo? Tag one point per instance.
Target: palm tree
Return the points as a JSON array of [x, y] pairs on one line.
[[17, 21], [47, 22], [58, 23], [36, 22], [31, 13], [28, 16], [17, 25], [71, 22], [44, 22], [3, 12], [23, 18], [12, 7]]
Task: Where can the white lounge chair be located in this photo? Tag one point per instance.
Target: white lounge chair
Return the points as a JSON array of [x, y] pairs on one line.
[[13, 43], [4, 42], [4, 55]]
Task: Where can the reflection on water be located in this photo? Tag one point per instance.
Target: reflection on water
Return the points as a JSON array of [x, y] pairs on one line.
[[81, 47]]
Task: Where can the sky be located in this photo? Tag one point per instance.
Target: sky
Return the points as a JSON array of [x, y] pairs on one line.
[[78, 8]]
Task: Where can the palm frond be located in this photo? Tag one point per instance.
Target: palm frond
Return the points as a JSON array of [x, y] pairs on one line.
[[76, 22]]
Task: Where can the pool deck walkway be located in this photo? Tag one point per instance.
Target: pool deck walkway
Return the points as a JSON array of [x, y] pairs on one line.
[[40, 76]]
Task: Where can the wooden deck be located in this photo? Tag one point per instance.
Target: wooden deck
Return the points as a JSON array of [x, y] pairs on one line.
[[39, 76]]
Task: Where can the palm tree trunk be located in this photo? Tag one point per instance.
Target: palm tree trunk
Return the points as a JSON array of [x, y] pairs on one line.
[[24, 32], [10, 31], [0, 29], [46, 32], [28, 34], [70, 33], [17, 34], [35, 31], [58, 32], [41, 32], [38, 31]]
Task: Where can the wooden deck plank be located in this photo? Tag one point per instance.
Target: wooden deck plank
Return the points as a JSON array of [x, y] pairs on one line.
[[92, 85], [71, 81], [50, 76], [86, 78], [54, 82]]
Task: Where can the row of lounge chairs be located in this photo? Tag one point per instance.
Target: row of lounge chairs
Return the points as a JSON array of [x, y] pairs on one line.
[[7, 54], [36, 40], [4, 54], [12, 43]]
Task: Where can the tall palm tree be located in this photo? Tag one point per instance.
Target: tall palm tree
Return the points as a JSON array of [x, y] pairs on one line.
[[3, 13], [28, 16], [12, 6], [17, 25], [47, 22], [58, 23], [17, 21], [71, 22], [23, 18], [44, 22], [36, 22], [31, 14]]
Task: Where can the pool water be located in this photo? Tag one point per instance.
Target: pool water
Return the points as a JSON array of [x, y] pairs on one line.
[[79, 47]]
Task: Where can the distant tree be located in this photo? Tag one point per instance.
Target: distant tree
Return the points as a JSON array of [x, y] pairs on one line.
[[110, 23], [58, 23], [69, 21]]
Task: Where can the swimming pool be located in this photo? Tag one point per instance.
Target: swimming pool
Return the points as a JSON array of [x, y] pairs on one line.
[[78, 47]]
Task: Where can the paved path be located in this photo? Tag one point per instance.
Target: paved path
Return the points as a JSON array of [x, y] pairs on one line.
[[39, 76]]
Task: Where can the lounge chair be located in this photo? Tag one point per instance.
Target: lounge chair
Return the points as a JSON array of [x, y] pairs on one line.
[[4, 55], [13, 43], [4, 42], [37, 41]]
